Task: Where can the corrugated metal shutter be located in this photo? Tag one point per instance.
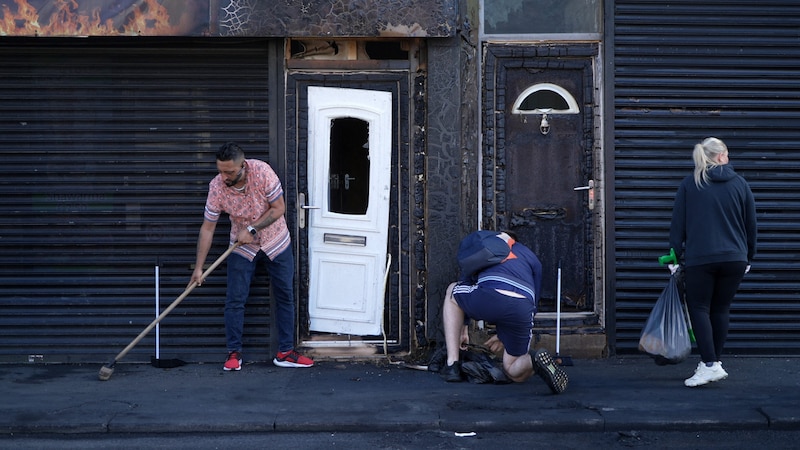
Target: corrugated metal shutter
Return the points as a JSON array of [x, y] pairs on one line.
[[685, 70], [108, 147]]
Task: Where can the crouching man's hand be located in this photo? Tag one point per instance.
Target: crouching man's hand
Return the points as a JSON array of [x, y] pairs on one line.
[[464, 337], [494, 344]]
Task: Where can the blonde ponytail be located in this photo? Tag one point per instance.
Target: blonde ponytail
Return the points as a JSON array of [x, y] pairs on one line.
[[705, 157]]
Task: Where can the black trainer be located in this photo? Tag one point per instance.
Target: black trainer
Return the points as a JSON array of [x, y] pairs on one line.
[[452, 373], [548, 371]]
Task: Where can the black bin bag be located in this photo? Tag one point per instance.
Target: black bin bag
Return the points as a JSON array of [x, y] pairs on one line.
[[665, 336]]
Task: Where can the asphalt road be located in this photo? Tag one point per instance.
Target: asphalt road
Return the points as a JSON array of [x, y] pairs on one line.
[[416, 440]]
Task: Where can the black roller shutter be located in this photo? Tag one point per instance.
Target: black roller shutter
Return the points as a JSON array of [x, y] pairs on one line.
[[107, 148], [685, 70]]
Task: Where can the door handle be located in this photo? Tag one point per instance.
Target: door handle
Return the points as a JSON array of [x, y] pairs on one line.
[[301, 211], [590, 188], [347, 180]]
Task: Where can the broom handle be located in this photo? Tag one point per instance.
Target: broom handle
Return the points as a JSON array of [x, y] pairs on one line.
[[175, 303], [688, 321]]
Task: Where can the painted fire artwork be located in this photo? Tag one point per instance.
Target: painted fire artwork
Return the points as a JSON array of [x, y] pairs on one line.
[[48, 18], [234, 18]]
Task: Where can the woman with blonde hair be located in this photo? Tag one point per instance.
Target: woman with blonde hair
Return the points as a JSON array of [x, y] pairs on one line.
[[713, 231]]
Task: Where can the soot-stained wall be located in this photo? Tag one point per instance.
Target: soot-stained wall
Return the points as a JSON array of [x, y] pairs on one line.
[[355, 18]]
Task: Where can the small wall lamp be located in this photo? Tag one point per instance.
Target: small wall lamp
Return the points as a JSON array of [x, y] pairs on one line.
[[544, 126]]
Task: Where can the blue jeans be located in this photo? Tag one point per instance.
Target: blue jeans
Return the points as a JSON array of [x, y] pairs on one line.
[[240, 274]]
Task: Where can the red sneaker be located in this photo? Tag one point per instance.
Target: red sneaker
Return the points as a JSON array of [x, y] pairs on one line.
[[234, 361], [292, 359]]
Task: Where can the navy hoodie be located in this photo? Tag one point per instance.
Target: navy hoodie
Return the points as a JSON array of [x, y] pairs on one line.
[[716, 222]]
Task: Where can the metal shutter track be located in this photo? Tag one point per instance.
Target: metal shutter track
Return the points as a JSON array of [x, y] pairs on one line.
[[685, 70], [108, 150]]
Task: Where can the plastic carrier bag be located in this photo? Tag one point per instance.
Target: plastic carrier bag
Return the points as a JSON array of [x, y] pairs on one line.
[[665, 336]]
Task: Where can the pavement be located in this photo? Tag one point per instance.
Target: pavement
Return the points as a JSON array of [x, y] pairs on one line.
[[615, 394]]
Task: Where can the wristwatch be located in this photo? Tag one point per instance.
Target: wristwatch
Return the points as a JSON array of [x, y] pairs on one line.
[[252, 230]]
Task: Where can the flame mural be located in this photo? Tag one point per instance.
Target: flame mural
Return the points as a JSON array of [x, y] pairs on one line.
[[261, 18], [104, 17]]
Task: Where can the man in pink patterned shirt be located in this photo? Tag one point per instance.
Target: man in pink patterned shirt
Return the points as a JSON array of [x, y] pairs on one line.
[[249, 191]]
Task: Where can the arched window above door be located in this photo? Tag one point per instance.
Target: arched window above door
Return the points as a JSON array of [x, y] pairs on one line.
[[545, 98]]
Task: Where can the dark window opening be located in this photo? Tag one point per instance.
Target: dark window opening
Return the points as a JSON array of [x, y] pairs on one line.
[[385, 50], [349, 166], [544, 99]]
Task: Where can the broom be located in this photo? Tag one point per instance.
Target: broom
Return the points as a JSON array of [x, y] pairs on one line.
[[107, 370]]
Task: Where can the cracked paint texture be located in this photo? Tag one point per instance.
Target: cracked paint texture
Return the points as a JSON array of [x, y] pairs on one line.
[[348, 18]]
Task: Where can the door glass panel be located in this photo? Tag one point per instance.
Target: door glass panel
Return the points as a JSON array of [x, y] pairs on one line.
[[543, 100], [349, 166], [545, 97]]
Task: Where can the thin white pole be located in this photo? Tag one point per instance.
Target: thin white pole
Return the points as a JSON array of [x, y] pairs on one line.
[[158, 312], [558, 313]]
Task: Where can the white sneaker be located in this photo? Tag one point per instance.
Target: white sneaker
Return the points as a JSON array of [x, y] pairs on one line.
[[719, 363], [704, 374]]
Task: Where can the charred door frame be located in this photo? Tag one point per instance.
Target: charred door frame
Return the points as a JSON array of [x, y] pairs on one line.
[[498, 57]]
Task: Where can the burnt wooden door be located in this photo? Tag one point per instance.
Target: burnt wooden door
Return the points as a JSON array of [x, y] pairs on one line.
[[540, 188]]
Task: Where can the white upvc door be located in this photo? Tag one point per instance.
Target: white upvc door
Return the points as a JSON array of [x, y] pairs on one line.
[[349, 173]]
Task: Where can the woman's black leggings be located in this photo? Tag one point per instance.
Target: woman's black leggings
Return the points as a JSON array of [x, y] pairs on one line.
[[710, 289]]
